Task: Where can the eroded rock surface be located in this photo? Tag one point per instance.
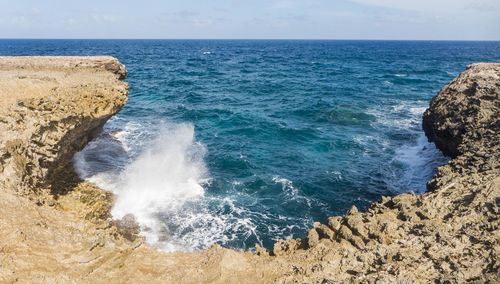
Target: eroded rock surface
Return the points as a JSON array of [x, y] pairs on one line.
[[449, 234], [464, 118], [50, 108]]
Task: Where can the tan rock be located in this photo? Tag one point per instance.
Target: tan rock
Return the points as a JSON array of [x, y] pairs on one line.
[[55, 227]]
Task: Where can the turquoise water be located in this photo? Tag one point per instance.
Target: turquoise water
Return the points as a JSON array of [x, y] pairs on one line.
[[243, 142]]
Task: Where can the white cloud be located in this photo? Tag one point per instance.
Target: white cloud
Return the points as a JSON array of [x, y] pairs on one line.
[[292, 4], [71, 21], [20, 21], [371, 19], [436, 6], [286, 4], [102, 18], [191, 18]]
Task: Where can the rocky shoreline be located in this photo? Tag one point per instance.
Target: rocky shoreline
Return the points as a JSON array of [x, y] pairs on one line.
[[56, 228]]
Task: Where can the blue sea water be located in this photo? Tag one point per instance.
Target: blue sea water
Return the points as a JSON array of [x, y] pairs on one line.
[[240, 142]]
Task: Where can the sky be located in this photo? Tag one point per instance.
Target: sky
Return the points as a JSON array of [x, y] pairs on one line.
[[252, 19]]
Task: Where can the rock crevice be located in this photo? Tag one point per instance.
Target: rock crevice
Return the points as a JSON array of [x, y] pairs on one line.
[[51, 107], [60, 104]]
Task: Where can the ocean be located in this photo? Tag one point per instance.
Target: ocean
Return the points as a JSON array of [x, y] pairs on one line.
[[238, 142]]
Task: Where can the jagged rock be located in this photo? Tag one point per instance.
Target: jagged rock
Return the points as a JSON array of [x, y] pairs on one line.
[[260, 250], [283, 247], [355, 222], [334, 223], [312, 238], [463, 117], [324, 232], [128, 227], [55, 227], [45, 122]]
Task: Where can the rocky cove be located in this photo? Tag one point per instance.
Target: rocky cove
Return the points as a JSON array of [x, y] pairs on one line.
[[57, 228]]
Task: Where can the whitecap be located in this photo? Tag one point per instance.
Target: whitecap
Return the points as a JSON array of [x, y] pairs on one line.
[[290, 190], [163, 187], [417, 111], [162, 179], [418, 163]]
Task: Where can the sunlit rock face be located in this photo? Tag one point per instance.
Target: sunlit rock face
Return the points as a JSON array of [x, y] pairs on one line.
[[55, 227], [50, 107]]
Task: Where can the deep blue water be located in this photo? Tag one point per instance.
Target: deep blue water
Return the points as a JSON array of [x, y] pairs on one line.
[[240, 142]]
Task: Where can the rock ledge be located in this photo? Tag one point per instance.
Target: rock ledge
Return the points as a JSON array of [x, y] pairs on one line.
[[55, 227]]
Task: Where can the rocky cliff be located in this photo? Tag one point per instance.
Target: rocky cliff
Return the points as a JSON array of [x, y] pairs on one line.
[[51, 107], [55, 227]]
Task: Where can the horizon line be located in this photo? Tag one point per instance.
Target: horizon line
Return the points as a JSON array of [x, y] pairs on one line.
[[290, 39]]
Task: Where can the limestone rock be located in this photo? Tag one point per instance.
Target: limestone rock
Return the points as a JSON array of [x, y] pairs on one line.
[[464, 116], [50, 108], [56, 229]]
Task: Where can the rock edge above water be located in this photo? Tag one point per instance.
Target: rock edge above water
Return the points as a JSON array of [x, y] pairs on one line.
[[55, 227]]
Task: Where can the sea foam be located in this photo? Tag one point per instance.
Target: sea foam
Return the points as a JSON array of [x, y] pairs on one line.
[[158, 181], [161, 179]]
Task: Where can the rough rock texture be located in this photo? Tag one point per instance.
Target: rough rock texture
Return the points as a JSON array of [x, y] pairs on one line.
[[464, 122], [449, 234], [452, 232], [464, 119], [51, 107]]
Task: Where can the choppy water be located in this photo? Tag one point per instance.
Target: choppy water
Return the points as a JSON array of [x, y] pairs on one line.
[[244, 142]]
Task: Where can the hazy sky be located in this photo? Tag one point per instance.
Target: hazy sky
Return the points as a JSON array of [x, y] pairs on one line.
[[317, 19]]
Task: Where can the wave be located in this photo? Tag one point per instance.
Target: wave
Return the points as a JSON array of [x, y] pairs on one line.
[[162, 179], [417, 163], [413, 159], [163, 187], [290, 191], [158, 181]]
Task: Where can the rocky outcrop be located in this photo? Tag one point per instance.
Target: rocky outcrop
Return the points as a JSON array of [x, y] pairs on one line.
[[50, 109], [464, 122], [463, 119], [449, 234]]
